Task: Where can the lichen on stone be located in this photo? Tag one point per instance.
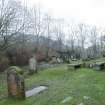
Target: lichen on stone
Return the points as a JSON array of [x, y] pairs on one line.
[[15, 69]]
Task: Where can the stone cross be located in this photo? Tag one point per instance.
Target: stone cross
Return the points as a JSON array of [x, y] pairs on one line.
[[32, 65], [15, 82]]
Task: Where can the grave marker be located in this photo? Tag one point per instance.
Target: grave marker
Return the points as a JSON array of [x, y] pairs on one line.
[[15, 82], [74, 66], [32, 65]]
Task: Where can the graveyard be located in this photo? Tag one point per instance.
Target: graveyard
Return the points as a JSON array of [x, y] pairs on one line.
[[84, 86], [52, 52]]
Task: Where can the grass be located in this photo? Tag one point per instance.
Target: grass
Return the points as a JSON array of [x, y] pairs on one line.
[[3, 85], [63, 83]]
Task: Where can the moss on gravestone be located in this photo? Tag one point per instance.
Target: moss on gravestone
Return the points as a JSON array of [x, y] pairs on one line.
[[15, 69], [16, 88]]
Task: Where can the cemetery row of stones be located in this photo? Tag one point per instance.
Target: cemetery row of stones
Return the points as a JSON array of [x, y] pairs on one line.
[[23, 59], [95, 65], [15, 79], [34, 65]]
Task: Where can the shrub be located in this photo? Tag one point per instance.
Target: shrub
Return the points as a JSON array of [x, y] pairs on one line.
[[19, 57], [4, 63]]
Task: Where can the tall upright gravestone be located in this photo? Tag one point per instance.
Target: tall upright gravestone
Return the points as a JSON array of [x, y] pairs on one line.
[[32, 65], [15, 82]]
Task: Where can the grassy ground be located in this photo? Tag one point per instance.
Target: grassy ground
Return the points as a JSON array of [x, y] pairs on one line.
[[63, 83]]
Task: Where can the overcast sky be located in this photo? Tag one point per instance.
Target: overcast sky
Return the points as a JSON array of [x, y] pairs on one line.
[[86, 11]]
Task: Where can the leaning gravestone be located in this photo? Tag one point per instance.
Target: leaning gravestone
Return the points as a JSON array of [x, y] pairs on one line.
[[32, 65], [99, 66], [35, 91], [15, 82], [59, 60]]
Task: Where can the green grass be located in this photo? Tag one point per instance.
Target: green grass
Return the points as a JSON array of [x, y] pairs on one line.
[[63, 83], [3, 85]]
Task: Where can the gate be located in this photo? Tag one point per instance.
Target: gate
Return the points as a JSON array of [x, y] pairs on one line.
[[3, 85]]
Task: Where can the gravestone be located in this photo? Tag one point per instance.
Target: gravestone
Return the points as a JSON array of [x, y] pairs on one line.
[[74, 66], [15, 82], [99, 66], [67, 99], [59, 60], [32, 65], [53, 60], [35, 91]]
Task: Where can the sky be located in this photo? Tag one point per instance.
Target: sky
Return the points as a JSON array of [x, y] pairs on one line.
[[91, 12]]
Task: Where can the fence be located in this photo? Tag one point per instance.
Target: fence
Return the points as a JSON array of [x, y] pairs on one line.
[[3, 85]]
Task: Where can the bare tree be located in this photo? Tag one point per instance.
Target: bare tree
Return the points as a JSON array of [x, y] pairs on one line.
[[102, 41], [59, 33], [72, 38], [82, 31], [48, 33], [37, 24], [10, 23], [93, 40]]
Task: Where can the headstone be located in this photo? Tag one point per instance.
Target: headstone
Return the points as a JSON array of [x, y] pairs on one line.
[[32, 65], [86, 97], [74, 66], [81, 103], [15, 82], [67, 99], [99, 66], [35, 91], [54, 60], [58, 60]]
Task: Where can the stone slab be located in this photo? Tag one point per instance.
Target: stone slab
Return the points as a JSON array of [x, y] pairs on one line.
[[67, 99], [35, 91]]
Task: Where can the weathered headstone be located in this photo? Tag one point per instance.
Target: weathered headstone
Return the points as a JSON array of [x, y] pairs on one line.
[[59, 60], [99, 66], [15, 82], [81, 103], [54, 60], [32, 65], [35, 91], [86, 97], [67, 99], [74, 66]]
